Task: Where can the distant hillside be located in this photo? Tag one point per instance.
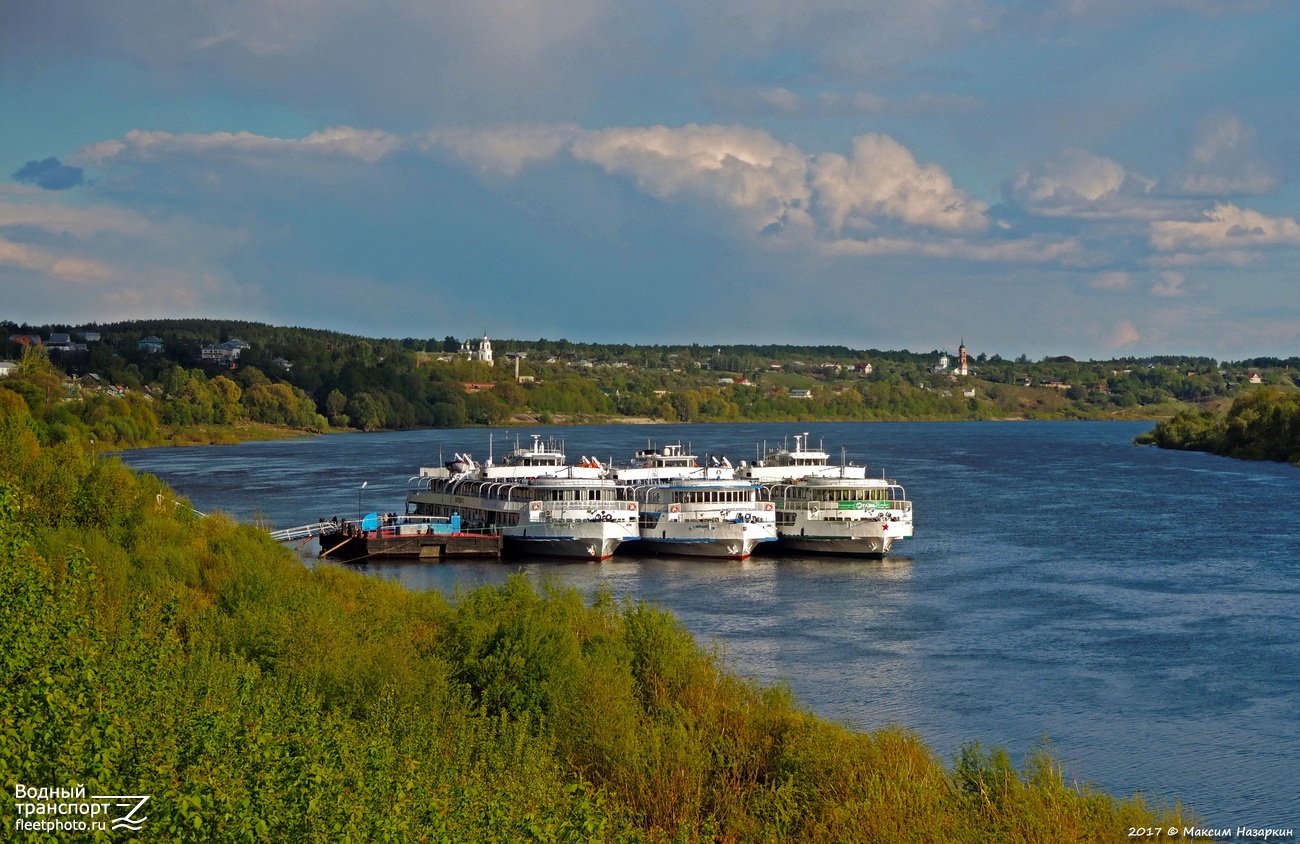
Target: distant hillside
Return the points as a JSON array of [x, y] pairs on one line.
[[316, 379]]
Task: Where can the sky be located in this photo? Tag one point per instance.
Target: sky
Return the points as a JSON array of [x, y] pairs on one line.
[[1094, 178]]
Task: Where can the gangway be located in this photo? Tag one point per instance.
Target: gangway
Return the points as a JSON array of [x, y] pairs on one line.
[[303, 531]]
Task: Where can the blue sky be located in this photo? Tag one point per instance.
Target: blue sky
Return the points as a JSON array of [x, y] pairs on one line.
[[1083, 177]]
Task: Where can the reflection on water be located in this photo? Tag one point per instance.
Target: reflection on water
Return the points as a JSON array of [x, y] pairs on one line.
[[1140, 607]]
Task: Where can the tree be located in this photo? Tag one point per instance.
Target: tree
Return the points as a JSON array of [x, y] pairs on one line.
[[365, 412], [335, 404], [228, 394]]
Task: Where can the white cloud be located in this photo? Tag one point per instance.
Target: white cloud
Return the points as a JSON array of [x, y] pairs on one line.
[[877, 200], [1123, 334], [368, 145], [1081, 184], [367, 58], [882, 179], [50, 263], [31, 208], [746, 169], [1169, 285], [782, 102], [507, 150], [768, 181], [1219, 258], [1001, 251], [1223, 162], [1225, 227], [96, 260]]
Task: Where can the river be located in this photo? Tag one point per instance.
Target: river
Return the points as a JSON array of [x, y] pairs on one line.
[[1138, 608]]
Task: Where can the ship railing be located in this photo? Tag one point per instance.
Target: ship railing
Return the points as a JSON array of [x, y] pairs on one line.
[[584, 511], [395, 525], [860, 506]]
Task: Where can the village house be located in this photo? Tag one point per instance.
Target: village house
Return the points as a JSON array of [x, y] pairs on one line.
[[227, 352]]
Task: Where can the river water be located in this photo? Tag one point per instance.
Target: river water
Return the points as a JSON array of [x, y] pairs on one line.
[[1139, 608]]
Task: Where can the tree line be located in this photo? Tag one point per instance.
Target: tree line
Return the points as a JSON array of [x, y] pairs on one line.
[[1263, 424], [315, 380]]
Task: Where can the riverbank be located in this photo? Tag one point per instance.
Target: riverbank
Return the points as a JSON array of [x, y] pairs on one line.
[[229, 434], [255, 432]]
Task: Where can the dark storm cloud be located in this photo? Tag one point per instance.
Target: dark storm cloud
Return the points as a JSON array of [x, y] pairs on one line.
[[50, 174]]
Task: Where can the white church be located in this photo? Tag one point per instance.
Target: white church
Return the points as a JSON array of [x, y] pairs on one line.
[[963, 361], [480, 350]]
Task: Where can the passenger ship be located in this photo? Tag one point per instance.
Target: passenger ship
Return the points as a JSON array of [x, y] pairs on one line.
[[827, 509], [536, 501], [696, 510], [724, 518], [653, 465]]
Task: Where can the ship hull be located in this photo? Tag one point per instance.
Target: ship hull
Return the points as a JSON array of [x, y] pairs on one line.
[[592, 549], [849, 537], [862, 546], [718, 540]]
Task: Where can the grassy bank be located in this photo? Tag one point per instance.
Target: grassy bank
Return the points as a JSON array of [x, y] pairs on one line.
[[148, 651]]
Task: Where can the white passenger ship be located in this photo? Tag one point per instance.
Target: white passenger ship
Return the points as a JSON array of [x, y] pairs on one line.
[[724, 518], [536, 501], [653, 465], [827, 509]]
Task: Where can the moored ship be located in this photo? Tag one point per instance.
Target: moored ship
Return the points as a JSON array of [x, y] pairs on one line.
[[723, 518], [535, 501], [826, 509], [841, 515]]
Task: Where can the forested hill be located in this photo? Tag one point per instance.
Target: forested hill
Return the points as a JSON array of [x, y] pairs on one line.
[[314, 379]]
